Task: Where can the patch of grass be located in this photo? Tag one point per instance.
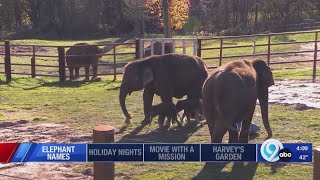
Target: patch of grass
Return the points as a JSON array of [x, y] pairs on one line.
[[294, 74], [83, 105]]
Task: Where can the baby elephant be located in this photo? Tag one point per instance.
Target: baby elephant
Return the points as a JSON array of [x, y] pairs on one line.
[[165, 110], [191, 108]]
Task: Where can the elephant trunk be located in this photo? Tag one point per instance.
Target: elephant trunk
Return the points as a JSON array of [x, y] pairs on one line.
[[263, 100], [122, 99]]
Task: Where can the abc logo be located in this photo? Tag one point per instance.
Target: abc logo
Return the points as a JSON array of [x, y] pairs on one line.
[[270, 150], [285, 154]]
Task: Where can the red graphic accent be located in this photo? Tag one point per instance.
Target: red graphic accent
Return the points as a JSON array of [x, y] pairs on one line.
[[7, 150]]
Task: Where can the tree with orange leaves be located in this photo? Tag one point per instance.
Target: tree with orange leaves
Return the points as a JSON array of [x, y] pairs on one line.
[[177, 13]]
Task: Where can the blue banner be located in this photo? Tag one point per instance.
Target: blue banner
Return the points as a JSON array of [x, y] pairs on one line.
[[21, 152], [228, 152], [115, 152], [50, 153], [172, 152], [300, 152], [271, 150]]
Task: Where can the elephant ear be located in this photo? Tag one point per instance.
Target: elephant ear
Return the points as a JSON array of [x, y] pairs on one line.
[[265, 76], [147, 76]]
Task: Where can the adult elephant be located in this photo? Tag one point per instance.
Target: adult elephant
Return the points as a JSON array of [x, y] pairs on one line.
[[230, 95], [86, 56], [169, 75]]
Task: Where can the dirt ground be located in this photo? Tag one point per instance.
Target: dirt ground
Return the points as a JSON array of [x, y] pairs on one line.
[[26, 49]]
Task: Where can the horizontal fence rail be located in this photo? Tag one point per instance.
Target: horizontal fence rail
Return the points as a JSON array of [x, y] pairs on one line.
[[51, 60], [222, 45], [38, 59]]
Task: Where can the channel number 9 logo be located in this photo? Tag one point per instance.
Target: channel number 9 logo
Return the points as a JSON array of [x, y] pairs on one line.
[[270, 150]]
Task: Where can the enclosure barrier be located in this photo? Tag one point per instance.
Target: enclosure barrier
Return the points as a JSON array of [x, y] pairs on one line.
[[7, 61], [167, 40], [59, 61], [268, 54], [316, 166], [62, 68], [103, 170], [138, 44]]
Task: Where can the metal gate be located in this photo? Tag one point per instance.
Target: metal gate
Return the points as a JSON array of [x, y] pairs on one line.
[[174, 41]]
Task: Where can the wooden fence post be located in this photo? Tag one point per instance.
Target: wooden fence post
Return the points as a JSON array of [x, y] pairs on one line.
[[269, 49], [174, 46], [315, 58], [199, 48], [103, 170], [137, 48], [316, 165], [114, 64], [62, 66], [221, 47], [184, 44], [254, 48], [33, 63], [7, 61]]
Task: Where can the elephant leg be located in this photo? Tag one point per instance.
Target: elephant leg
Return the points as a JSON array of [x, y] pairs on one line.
[[77, 70], [167, 100], [188, 117], [209, 116], [161, 119], [86, 69], [183, 117], [95, 71], [244, 133], [197, 118], [192, 114], [175, 119], [147, 105], [169, 122], [233, 135], [210, 121], [170, 116], [193, 103], [71, 73], [219, 131]]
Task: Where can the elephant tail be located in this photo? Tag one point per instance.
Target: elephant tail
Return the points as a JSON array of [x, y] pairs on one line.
[[225, 95]]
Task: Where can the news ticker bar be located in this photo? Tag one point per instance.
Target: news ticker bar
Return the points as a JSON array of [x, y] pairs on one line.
[[115, 152]]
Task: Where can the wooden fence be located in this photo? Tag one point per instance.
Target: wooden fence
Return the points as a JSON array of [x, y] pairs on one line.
[[115, 64], [58, 60]]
